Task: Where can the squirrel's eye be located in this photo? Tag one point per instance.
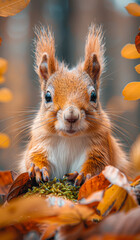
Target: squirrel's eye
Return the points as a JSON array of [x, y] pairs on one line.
[[48, 97], [93, 96]]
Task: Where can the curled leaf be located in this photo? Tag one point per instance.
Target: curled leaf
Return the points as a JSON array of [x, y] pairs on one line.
[[129, 51], [4, 140], [5, 95], [131, 91], [12, 7], [137, 42], [137, 68], [133, 9], [92, 185], [3, 65], [6, 179]]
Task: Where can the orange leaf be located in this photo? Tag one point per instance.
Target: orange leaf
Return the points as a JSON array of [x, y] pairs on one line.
[[92, 185], [3, 66], [0, 41], [133, 9], [5, 95], [131, 91], [116, 199], [137, 68], [12, 7], [6, 179], [137, 42], [129, 51], [4, 140]]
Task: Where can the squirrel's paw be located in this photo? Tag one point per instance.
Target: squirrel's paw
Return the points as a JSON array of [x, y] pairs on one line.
[[78, 178], [39, 174]]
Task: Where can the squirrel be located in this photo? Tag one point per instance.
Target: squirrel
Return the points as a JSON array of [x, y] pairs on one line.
[[71, 134]]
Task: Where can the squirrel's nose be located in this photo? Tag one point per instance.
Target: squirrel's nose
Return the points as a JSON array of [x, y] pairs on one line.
[[71, 115]]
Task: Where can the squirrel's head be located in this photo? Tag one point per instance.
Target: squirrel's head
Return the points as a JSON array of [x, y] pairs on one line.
[[70, 98]]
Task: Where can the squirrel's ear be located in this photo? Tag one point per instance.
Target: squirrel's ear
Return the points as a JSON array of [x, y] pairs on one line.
[[46, 63], [94, 54]]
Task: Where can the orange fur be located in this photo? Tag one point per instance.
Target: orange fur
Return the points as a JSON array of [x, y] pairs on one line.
[[87, 144]]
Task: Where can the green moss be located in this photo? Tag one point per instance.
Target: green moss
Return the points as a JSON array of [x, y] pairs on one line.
[[56, 187]]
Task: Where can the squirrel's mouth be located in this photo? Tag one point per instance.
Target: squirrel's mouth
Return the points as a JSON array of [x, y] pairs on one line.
[[71, 131]]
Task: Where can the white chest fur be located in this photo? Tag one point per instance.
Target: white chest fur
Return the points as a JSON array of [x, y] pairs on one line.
[[66, 155]]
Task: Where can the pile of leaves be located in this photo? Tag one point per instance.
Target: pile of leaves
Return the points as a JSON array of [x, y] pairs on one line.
[[107, 206]]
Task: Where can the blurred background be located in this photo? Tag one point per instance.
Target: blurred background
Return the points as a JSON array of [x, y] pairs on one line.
[[69, 20]]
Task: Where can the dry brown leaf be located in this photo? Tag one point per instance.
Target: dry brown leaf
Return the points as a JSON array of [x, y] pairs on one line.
[[133, 9], [20, 186], [119, 105], [4, 140], [92, 185], [5, 95], [137, 68], [3, 65], [6, 179], [131, 91], [129, 51], [137, 42], [12, 7]]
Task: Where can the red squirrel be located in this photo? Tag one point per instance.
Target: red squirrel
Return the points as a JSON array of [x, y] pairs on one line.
[[71, 134]]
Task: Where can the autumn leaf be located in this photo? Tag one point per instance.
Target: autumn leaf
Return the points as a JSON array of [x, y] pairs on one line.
[[137, 68], [22, 210], [3, 66], [6, 179], [137, 42], [4, 140], [131, 91], [117, 197], [133, 9], [129, 51], [20, 186], [5, 95], [92, 185], [0, 41], [12, 7]]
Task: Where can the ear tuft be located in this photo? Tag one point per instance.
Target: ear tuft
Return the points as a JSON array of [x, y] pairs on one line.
[[94, 52], [46, 63]]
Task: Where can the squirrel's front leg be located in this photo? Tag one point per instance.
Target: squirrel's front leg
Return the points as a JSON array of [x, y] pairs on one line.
[[92, 166], [38, 166]]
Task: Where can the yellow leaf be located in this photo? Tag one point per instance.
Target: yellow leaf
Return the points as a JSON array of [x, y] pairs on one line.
[[3, 65], [131, 91], [4, 140], [129, 51], [116, 199], [5, 95], [137, 68], [133, 9], [2, 79], [12, 7], [135, 154]]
